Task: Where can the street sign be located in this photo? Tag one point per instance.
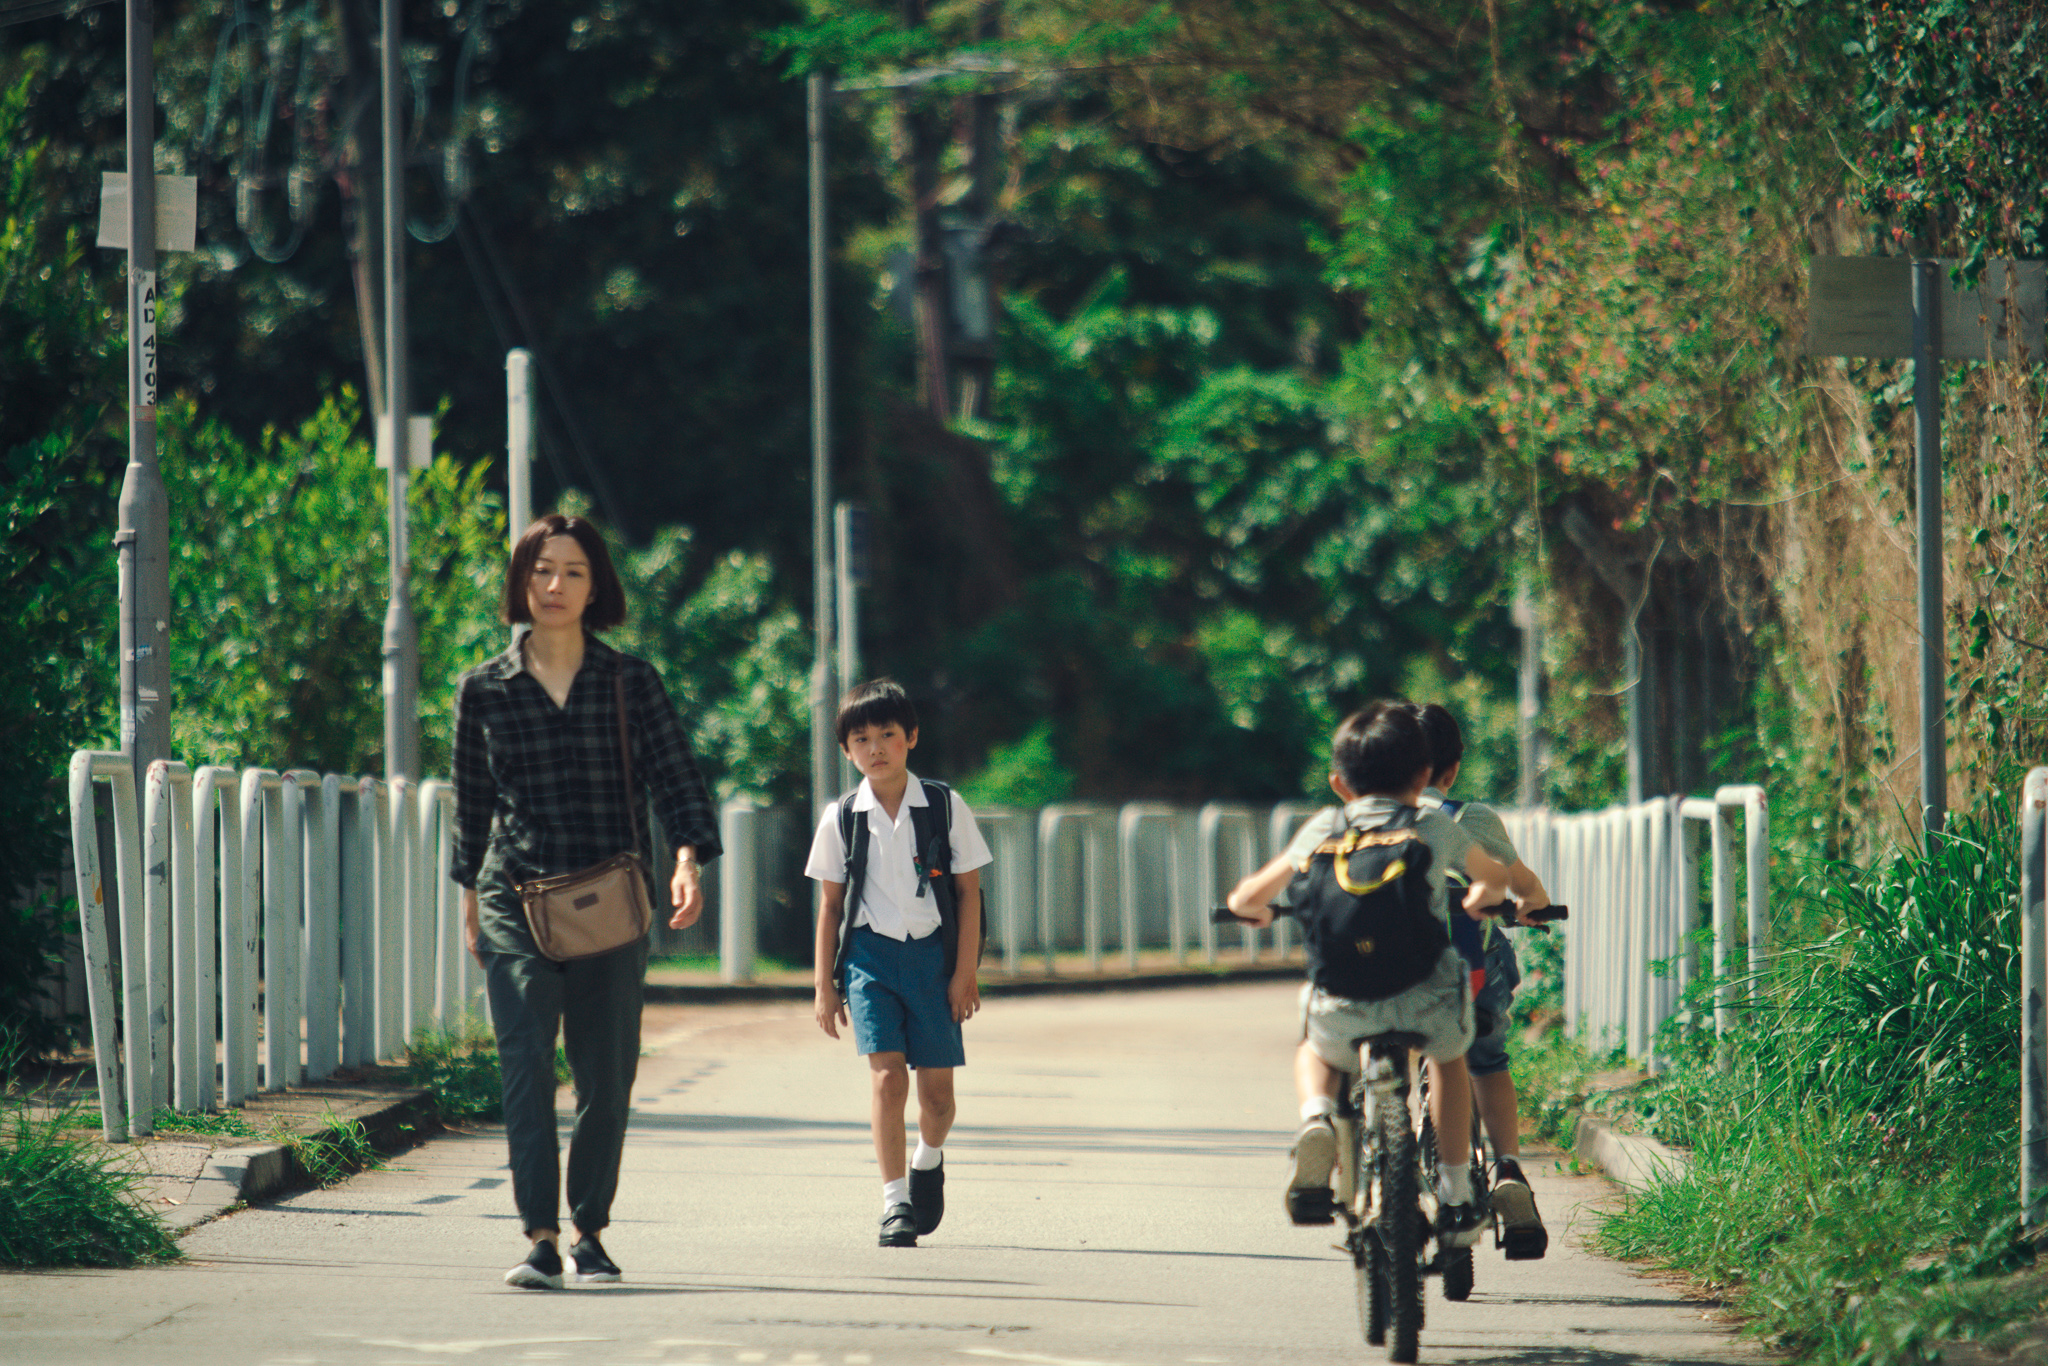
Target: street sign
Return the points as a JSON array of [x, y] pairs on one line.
[[177, 211], [1863, 306]]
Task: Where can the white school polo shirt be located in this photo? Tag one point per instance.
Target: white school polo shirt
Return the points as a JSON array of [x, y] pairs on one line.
[[889, 903]]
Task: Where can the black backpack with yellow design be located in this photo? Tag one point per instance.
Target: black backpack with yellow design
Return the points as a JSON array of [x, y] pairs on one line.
[[1363, 903]]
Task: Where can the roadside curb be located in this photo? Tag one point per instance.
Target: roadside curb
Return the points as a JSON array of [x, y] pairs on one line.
[[246, 1175], [1629, 1160], [715, 993]]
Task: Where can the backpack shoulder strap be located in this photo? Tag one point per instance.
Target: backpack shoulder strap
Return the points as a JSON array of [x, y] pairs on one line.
[[1454, 809], [933, 823]]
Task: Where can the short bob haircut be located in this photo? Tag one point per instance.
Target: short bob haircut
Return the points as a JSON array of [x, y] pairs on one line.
[[1446, 741], [607, 606], [1381, 749], [876, 702]]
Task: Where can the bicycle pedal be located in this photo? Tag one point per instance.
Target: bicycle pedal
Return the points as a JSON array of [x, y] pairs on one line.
[[1525, 1242], [1310, 1206]]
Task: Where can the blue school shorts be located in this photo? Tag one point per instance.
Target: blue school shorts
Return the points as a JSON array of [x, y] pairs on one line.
[[896, 997], [1489, 1052]]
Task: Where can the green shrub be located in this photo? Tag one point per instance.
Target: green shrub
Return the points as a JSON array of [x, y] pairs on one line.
[[31, 959]]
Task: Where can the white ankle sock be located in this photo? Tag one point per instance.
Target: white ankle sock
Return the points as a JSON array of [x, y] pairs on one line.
[[926, 1157], [1454, 1184], [1318, 1107], [895, 1192]]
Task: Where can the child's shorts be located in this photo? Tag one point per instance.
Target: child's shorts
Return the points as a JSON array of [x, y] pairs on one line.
[[1489, 1052], [1439, 1008], [896, 997]]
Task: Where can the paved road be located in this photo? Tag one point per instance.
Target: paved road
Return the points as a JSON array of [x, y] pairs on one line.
[[1114, 1202]]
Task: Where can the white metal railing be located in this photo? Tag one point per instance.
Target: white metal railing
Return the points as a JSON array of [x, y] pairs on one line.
[[1630, 876], [325, 902], [322, 900]]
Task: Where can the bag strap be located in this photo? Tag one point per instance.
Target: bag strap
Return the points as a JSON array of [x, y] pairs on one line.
[[626, 755]]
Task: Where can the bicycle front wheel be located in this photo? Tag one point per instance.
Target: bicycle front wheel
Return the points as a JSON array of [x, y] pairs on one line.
[[1400, 1231]]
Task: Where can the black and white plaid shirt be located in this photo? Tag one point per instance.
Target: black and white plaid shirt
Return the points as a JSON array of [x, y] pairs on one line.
[[540, 786]]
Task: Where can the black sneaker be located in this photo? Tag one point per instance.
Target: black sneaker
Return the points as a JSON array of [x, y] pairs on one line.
[[899, 1227], [542, 1269], [590, 1262], [1460, 1225], [1522, 1235], [1309, 1199], [928, 1197]]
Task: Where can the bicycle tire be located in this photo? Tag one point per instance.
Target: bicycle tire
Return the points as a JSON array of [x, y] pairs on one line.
[[1400, 1226], [1458, 1274], [1369, 1261]]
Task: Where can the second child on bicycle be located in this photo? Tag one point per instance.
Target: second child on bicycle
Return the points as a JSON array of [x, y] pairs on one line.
[[1522, 1233], [1379, 766]]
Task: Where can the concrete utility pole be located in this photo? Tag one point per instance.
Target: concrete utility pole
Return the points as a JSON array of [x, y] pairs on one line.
[[824, 749], [401, 633], [144, 538]]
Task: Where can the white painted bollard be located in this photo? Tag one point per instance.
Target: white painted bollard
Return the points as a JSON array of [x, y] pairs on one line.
[[1012, 842], [1131, 822], [1211, 826], [739, 888], [1094, 862]]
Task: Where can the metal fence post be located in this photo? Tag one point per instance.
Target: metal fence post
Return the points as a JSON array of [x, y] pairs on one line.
[[359, 921], [1130, 823], [283, 889], [320, 943], [102, 949], [2033, 984], [217, 888], [390, 922]]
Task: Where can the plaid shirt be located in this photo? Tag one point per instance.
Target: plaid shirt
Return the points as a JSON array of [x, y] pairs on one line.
[[539, 786]]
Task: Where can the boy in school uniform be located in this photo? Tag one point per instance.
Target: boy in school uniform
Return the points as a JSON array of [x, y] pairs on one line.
[[897, 862], [1523, 1236], [1379, 765]]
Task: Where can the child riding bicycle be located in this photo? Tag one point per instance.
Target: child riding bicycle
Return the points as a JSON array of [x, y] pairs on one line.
[[1522, 1233], [1405, 976]]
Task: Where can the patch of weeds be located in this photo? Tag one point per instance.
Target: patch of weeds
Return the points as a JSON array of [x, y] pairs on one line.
[[1553, 1082], [710, 962], [459, 1068], [338, 1151], [66, 1200], [226, 1124]]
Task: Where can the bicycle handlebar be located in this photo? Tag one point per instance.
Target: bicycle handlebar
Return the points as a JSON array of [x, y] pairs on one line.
[[1223, 915]]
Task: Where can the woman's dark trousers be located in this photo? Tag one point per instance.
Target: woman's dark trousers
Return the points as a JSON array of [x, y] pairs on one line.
[[596, 1004]]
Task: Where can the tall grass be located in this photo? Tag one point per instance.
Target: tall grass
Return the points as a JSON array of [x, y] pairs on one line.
[[1853, 1182], [66, 1200]]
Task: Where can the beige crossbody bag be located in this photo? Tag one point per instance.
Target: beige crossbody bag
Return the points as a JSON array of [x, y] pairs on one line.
[[600, 908]]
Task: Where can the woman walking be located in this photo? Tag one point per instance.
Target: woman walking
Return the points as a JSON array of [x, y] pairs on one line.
[[540, 790]]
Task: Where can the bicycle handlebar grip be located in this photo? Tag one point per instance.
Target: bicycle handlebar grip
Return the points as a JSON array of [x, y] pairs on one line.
[[1223, 915], [1550, 913]]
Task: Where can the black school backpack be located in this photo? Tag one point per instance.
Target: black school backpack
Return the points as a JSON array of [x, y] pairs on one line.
[[1364, 909], [931, 828]]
